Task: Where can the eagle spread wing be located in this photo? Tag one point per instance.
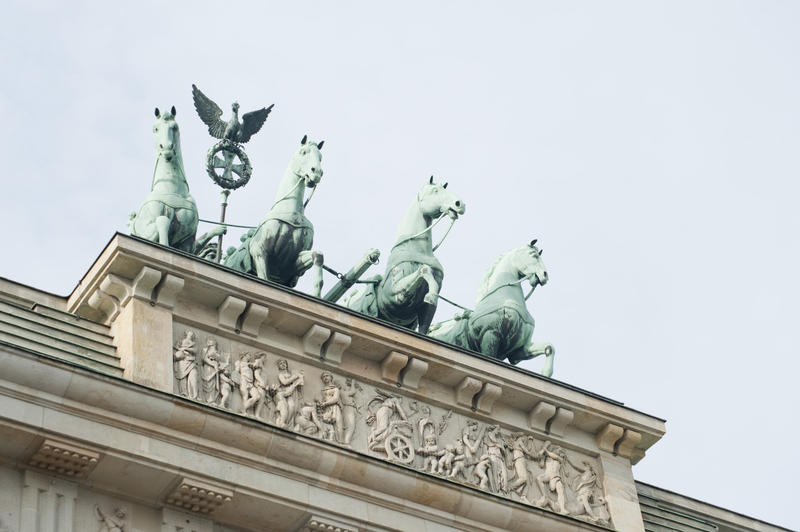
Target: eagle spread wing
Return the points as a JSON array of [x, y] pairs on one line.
[[252, 122], [209, 113]]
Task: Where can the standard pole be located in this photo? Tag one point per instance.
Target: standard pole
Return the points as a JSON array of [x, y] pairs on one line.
[[225, 193]]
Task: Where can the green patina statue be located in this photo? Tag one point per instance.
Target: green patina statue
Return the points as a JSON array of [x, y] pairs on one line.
[[279, 249], [407, 295], [168, 216], [501, 326]]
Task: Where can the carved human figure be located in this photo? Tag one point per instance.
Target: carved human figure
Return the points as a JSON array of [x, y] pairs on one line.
[[491, 467], [471, 438], [247, 383], [431, 453], [225, 383], [110, 523], [445, 464], [185, 361], [521, 446], [458, 462], [383, 419], [261, 385], [288, 394], [349, 409], [330, 409], [554, 459], [584, 487], [212, 361]]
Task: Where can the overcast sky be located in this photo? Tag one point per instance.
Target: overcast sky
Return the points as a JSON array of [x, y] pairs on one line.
[[651, 147]]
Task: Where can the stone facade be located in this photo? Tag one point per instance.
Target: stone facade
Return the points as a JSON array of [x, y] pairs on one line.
[[167, 393]]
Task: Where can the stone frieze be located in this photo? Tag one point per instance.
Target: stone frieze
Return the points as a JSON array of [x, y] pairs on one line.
[[340, 409]]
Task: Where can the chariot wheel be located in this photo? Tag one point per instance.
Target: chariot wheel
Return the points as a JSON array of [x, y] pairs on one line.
[[234, 163], [399, 449]]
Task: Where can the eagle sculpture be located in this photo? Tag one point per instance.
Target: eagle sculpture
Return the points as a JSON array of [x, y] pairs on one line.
[[234, 129]]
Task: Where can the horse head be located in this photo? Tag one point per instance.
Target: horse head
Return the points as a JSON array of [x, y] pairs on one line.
[[306, 162], [528, 261], [167, 137], [434, 200]]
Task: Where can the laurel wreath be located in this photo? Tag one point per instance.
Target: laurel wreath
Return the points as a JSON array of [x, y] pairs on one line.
[[224, 182]]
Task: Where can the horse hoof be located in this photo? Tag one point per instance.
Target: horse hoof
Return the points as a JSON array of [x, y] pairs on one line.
[[430, 299]]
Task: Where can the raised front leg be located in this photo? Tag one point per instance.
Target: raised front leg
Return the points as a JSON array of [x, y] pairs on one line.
[[309, 259], [403, 289]]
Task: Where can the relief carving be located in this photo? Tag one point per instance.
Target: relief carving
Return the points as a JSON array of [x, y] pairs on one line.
[[288, 395], [113, 522], [217, 383], [428, 438], [185, 361]]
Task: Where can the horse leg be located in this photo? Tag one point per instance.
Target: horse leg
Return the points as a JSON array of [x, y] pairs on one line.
[[306, 260], [258, 253], [162, 226], [490, 343], [425, 318], [402, 290]]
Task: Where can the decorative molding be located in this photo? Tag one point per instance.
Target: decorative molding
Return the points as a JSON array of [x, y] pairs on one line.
[[466, 391], [487, 397], [198, 495], [608, 436], [626, 445], [325, 524], [413, 372], [392, 365], [560, 421], [254, 316], [314, 338], [229, 311], [335, 347], [166, 293], [64, 458], [541, 414]]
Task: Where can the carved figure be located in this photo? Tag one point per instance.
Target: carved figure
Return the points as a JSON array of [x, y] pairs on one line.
[[431, 452], [522, 448], [586, 486], [214, 364], [408, 293], [349, 409], [280, 248], [110, 523], [288, 394], [445, 464], [391, 430], [458, 461], [554, 459], [186, 366], [491, 466], [252, 392], [168, 216], [330, 409], [501, 326]]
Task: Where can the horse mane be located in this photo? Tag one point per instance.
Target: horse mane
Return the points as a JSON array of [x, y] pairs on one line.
[[483, 287]]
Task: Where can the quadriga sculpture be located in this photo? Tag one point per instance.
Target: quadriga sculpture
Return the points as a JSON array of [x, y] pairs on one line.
[[501, 326], [168, 215], [279, 249], [407, 295]]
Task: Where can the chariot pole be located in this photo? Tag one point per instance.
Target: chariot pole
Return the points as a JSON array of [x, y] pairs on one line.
[[351, 277]]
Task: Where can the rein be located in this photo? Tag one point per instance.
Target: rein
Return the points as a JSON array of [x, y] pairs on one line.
[[427, 229]]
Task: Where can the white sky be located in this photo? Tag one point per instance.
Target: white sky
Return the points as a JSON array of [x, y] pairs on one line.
[[651, 147]]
